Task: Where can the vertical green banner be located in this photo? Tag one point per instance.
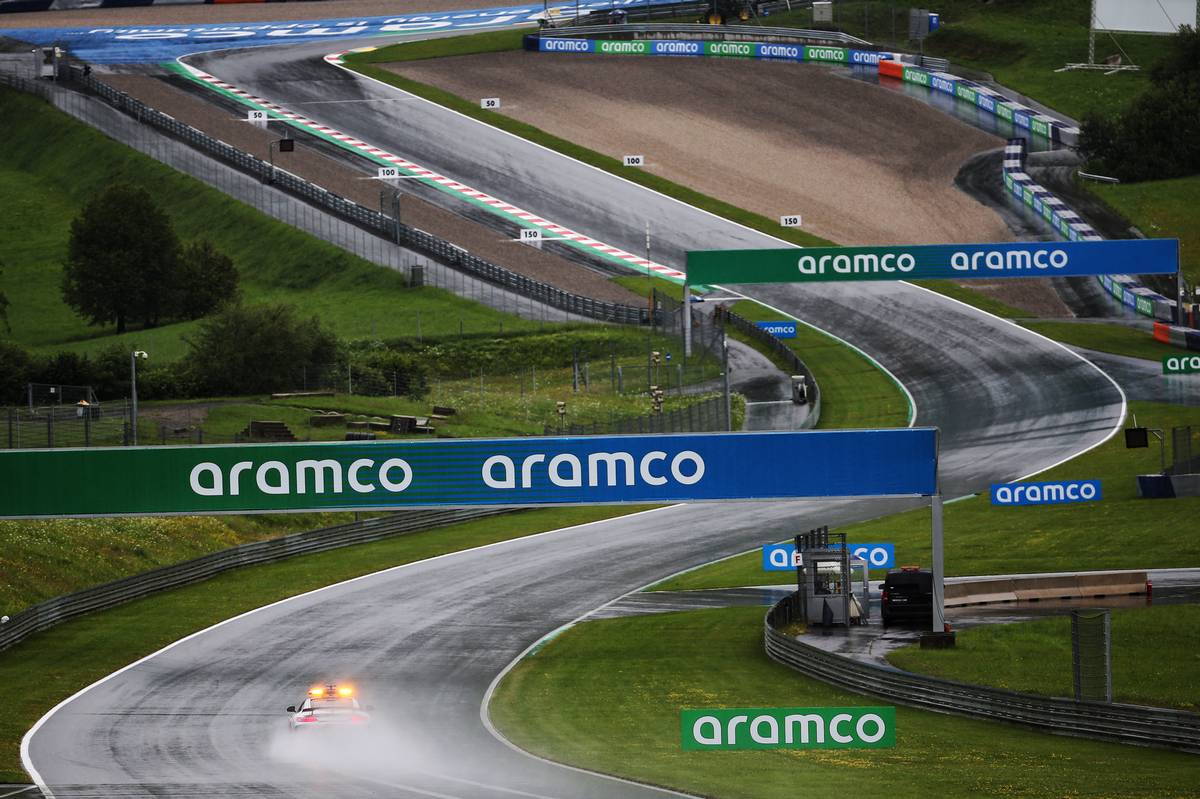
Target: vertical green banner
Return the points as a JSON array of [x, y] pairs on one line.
[[1181, 364]]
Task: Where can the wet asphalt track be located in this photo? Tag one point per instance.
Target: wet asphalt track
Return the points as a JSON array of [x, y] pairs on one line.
[[425, 641]]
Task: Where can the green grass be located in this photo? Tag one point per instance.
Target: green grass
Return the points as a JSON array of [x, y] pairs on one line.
[[1154, 659], [854, 391], [1162, 209], [606, 695], [1020, 42], [1119, 532], [40, 559], [1117, 339], [51, 165], [50, 666]]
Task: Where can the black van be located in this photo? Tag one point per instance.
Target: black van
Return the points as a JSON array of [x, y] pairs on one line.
[[907, 596]]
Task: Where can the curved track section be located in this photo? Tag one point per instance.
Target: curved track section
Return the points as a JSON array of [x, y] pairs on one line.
[[425, 640]]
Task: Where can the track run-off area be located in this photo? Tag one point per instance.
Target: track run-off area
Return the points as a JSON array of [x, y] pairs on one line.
[[426, 641]]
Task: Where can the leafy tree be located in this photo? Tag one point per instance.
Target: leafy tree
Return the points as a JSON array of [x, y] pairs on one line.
[[206, 280], [4, 306], [121, 259], [16, 369], [1158, 136], [258, 349]]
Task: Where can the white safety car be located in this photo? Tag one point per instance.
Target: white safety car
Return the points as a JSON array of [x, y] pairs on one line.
[[329, 707]]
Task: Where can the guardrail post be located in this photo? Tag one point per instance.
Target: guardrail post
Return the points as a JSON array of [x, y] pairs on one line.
[[939, 577]]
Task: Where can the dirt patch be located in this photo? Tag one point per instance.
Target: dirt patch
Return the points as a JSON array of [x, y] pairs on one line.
[[341, 178], [1035, 297], [861, 164], [249, 12]]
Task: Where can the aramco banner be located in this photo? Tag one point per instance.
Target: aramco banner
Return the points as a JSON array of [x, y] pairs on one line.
[[248, 478], [935, 261]]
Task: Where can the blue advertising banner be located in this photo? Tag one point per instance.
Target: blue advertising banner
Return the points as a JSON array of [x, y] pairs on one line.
[[247, 478], [779, 558], [778, 329], [1057, 492], [929, 261], [782, 557]]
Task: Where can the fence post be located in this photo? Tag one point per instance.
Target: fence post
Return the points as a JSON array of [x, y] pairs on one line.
[[12, 413], [50, 428], [87, 427]]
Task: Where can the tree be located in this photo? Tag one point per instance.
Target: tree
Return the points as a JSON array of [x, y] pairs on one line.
[[4, 306], [121, 259], [1158, 135], [207, 279], [16, 369], [258, 349]]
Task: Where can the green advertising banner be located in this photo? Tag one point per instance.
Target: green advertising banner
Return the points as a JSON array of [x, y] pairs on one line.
[[789, 728], [934, 261], [732, 49], [623, 47], [1181, 364]]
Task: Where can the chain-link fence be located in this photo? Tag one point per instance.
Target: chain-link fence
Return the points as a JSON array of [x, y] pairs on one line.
[[1185, 449], [41, 395], [1091, 655], [707, 415], [50, 426]]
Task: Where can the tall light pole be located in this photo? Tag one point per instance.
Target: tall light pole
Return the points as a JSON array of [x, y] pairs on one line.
[[133, 359]]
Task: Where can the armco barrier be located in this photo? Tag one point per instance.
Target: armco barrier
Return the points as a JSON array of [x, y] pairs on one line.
[[796, 366], [366, 218], [62, 608], [1070, 226], [1127, 724], [750, 33], [984, 98]]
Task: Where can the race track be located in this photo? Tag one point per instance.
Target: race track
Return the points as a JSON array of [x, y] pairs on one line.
[[425, 641]]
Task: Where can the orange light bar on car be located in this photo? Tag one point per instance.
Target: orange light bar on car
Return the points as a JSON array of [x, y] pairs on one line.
[[345, 691], [316, 692]]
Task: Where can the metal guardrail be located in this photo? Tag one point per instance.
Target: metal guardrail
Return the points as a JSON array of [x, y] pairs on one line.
[[747, 32], [68, 606], [1127, 724], [782, 351], [351, 211]]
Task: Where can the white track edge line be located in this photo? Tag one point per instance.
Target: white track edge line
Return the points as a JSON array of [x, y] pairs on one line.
[[27, 763]]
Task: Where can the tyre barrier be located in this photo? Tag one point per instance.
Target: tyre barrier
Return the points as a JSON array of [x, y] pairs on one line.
[[54, 611], [1120, 723], [1070, 226], [588, 41], [984, 98], [1175, 335]]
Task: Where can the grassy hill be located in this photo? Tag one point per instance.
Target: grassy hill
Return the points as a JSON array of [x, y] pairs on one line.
[[51, 165]]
